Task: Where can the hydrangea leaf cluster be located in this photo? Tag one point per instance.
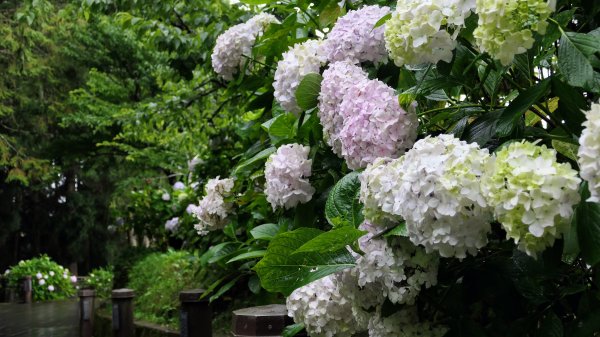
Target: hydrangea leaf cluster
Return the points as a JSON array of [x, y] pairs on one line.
[[324, 307], [589, 152], [436, 188], [506, 28], [234, 44], [532, 194], [353, 37], [286, 174], [337, 80], [300, 60], [396, 269], [405, 323], [213, 209], [374, 124], [420, 31]]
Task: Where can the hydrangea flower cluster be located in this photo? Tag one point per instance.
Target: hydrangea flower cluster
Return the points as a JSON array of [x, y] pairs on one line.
[[286, 174], [532, 194], [237, 42], [419, 31], [324, 308], [375, 184], [435, 187], [213, 210], [337, 80], [172, 224], [405, 323], [506, 28], [353, 37], [300, 60], [397, 270], [589, 152], [374, 124]]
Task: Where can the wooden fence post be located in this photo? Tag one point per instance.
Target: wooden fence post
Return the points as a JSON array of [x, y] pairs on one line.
[[196, 314], [27, 289], [266, 320], [86, 312], [122, 313]]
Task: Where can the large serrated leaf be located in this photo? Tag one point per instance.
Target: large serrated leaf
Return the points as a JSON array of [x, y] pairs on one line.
[[573, 62], [510, 116], [265, 232], [587, 217], [334, 240], [307, 94], [257, 158], [283, 271], [343, 207]]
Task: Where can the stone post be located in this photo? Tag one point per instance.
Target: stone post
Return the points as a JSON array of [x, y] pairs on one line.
[[86, 312], [122, 313], [196, 314]]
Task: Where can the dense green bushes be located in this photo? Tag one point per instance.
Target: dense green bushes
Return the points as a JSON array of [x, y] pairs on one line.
[[101, 280], [157, 281]]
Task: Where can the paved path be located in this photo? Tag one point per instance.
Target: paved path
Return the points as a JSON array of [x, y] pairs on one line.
[[50, 319]]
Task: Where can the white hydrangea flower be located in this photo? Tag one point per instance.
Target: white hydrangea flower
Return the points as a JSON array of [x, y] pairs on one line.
[[39, 275], [300, 60], [589, 152], [73, 279], [50, 288], [324, 308], [354, 38], [506, 28], [51, 273], [435, 187], [178, 186], [405, 323], [165, 196], [213, 210], [397, 269], [337, 80], [286, 175], [237, 42], [532, 194], [374, 124], [375, 189], [42, 282], [190, 209], [419, 31]]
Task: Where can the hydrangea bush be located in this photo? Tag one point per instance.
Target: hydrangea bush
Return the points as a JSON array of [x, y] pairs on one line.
[[438, 193], [50, 281]]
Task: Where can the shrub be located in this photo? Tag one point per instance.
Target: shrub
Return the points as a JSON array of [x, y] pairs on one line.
[[157, 281], [101, 279], [50, 280]]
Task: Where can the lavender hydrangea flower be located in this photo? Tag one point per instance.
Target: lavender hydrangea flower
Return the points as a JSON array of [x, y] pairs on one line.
[[337, 80], [297, 62], [374, 124], [237, 42], [286, 174], [354, 37], [172, 224]]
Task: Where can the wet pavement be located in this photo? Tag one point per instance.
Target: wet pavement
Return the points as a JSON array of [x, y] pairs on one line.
[[50, 319]]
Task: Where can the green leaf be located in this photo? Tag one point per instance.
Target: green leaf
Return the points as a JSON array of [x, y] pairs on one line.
[[566, 149], [511, 115], [307, 94], [257, 2], [247, 165], [343, 207], [587, 217], [283, 271], [550, 326], [292, 330], [573, 62], [399, 230], [265, 232], [281, 127], [483, 128], [249, 255], [224, 289], [383, 20], [334, 240]]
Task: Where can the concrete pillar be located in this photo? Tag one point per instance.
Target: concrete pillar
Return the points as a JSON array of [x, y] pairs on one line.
[[27, 288]]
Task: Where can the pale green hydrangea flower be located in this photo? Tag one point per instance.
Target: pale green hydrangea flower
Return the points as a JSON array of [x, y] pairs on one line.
[[532, 194], [424, 31], [589, 152], [506, 28]]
